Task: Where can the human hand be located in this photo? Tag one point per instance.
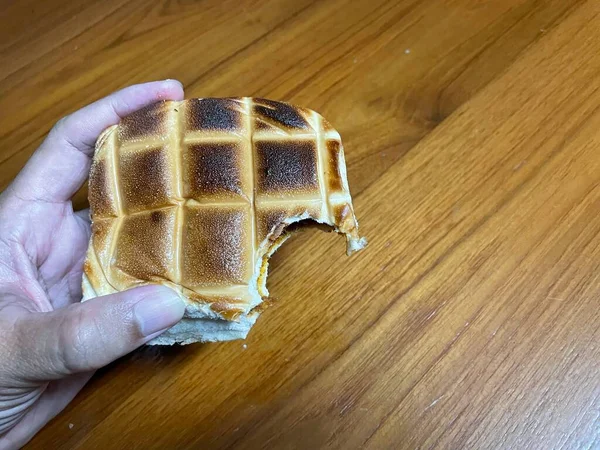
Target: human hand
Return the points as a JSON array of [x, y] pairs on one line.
[[50, 343]]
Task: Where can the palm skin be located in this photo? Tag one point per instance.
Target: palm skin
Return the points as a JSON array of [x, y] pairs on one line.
[[50, 343]]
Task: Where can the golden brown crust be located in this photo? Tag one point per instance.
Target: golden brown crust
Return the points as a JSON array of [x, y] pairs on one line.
[[216, 247], [190, 194], [335, 176]]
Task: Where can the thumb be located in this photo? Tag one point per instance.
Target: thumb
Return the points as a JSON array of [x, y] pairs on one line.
[[86, 336]]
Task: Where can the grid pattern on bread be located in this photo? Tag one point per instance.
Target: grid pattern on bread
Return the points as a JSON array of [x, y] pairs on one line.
[[187, 193]]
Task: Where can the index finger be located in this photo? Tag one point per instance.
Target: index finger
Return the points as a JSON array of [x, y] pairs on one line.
[[60, 166]]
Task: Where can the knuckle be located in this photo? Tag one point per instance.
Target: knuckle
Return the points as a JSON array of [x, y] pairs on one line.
[[8, 350], [60, 124], [64, 130], [73, 353]]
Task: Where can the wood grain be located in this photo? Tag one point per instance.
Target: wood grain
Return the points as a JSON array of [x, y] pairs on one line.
[[470, 127]]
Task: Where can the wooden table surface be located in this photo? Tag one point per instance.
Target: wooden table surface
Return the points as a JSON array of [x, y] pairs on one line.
[[472, 135]]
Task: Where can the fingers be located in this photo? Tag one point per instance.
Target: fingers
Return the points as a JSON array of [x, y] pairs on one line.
[[81, 129], [86, 336], [84, 215], [61, 164]]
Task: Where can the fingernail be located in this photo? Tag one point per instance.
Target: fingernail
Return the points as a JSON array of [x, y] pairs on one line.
[[158, 311], [170, 80]]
